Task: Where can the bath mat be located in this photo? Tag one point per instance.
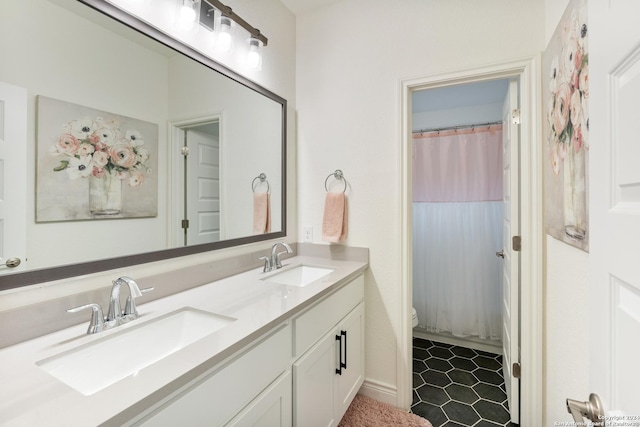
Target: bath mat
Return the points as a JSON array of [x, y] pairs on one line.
[[367, 412]]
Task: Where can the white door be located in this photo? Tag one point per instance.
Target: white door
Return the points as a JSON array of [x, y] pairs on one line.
[[203, 184], [13, 175], [510, 228], [614, 205]]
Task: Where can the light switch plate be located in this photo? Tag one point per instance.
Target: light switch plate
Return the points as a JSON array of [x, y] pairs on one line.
[[307, 235]]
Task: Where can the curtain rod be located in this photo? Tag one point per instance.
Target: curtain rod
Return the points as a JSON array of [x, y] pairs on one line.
[[475, 125]]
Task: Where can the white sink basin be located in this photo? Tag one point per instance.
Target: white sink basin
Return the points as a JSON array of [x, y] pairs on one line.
[[96, 365], [300, 275]]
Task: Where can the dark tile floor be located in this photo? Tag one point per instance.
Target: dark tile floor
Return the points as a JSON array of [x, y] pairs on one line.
[[458, 386]]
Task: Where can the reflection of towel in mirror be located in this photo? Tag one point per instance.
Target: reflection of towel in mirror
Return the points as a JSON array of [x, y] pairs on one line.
[[261, 213], [334, 221]]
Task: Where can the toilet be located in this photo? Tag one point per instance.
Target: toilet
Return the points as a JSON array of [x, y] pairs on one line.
[[414, 318]]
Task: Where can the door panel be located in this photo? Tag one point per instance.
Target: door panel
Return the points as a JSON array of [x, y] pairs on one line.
[[511, 227], [614, 203], [203, 174], [13, 175]]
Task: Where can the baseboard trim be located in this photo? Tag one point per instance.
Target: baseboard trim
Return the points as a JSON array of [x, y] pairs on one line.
[[489, 346], [381, 392]]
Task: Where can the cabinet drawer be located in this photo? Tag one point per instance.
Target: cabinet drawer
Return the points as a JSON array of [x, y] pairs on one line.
[[311, 325], [221, 394]]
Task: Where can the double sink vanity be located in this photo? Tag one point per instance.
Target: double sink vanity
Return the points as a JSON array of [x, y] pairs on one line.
[[277, 348]]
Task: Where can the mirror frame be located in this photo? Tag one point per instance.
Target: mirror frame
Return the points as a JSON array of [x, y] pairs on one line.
[[20, 279]]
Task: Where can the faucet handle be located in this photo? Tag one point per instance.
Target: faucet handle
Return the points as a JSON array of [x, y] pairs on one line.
[[97, 318], [267, 263], [130, 309]]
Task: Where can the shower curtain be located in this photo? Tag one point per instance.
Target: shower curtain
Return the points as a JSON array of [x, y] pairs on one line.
[[457, 230]]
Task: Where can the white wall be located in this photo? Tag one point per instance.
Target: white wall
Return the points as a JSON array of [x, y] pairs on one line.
[[566, 298], [351, 58]]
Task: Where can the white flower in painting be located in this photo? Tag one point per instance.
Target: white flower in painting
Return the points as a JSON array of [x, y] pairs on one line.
[[81, 128], [108, 135], [136, 179], [79, 167], [568, 58], [142, 155], [554, 75], [560, 113], [135, 138]]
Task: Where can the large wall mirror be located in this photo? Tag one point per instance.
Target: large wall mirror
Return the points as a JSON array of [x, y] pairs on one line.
[[104, 62]]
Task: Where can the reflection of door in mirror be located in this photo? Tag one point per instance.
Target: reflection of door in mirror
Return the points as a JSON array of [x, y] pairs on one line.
[[13, 176], [202, 184]]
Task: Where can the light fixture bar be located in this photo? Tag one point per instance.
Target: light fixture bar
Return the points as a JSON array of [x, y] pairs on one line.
[[227, 11]]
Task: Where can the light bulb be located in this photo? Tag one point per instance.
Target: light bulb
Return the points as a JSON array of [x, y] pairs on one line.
[[253, 56], [223, 42], [187, 15]]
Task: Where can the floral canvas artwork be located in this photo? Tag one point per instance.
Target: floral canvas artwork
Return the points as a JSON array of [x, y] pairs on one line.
[[566, 128], [93, 164]]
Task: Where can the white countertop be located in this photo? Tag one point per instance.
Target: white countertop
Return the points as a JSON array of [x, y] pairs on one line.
[[29, 396]]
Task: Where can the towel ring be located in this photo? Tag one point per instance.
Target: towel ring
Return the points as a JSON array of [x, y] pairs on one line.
[[337, 175], [263, 178]]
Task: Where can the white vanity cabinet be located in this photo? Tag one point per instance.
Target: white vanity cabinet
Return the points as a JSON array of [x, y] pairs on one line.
[[329, 372], [254, 388], [303, 373]]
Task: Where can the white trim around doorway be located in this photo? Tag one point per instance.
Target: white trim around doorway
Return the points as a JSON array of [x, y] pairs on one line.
[[531, 334]]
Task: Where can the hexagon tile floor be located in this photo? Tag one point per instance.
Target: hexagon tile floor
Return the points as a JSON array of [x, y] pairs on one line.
[[458, 386]]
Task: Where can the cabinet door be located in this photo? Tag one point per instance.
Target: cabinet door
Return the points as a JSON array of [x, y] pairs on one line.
[[313, 385], [272, 408], [220, 394], [348, 382]]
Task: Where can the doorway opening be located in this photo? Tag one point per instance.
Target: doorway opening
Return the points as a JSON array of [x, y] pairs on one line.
[[197, 214], [464, 293], [530, 264], [457, 213]]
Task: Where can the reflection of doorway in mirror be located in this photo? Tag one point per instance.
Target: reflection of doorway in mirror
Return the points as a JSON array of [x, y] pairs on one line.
[[13, 178], [201, 183]]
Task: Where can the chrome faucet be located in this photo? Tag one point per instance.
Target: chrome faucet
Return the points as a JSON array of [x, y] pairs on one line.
[[115, 316], [273, 262], [275, 256]]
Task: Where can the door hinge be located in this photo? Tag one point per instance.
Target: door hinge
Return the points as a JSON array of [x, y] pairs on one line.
[[515, 370], [516, 243], [184, 151], [515, 116], [185, 223]]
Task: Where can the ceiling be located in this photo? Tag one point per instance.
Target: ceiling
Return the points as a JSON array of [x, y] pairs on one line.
[[301, 6], [464, 95]]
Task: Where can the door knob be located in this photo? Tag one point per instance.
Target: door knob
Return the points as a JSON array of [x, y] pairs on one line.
[[500, 254], [592, 409], [11, 263]]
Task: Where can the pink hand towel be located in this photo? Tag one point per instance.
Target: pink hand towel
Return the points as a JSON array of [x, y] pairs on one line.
[[334, 221], [261, 213]]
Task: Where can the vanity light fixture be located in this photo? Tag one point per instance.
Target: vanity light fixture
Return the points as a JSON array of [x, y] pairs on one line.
[[254, 56], [187, 14], [224, 39]]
